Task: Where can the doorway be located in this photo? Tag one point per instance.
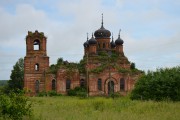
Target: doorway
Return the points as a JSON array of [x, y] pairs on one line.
[[110, 87]]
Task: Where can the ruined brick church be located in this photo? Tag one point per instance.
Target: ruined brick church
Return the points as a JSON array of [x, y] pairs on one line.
[[104, 67]]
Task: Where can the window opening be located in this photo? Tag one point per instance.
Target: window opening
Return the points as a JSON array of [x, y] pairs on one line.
[[122, 84], [36, 45], [99, 84], [37, 67], [82, 83], [104, 45], [53, 84], [68, 84]]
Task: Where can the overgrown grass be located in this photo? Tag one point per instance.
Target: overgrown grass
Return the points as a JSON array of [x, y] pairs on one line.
[[100, 108]]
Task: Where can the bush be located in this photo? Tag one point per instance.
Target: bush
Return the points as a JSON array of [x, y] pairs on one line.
[[14, 106], [42, 94], [77, 91], [115, 95], [164, 84], [49, 93], [53, 93]]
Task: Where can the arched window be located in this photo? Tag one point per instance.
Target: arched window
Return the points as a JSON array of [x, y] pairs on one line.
[[68, 84], [53, 84], [104, 45], [82, 83], [99, 84], [36, 67], [36, 45], [37, 86], [122, 84]]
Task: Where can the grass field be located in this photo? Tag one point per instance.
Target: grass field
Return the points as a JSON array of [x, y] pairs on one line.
[[99, 108]]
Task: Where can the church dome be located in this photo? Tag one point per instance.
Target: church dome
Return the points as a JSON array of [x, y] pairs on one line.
[[119, 41], [86, 44], [102, 32], [92, 40]]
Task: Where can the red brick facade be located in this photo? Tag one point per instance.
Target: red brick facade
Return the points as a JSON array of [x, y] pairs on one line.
[[104, 74]]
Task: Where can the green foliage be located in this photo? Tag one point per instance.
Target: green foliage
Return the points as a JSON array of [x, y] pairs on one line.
[[81, 66], [115, 95], [136, 71], [133, 66], [102, 53], [17, 76], [70, 67], [101, 108], [49, 93], [54, 67], [53, 93], [77, 91], [123, 70], [99, 105], [42, 94], [99, 68], [3, 82], [15, 106], [164, 84], [103, 56], [71, 92], [114, 57]]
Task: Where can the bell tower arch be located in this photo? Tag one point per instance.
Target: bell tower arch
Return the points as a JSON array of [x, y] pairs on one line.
[[36, 62]]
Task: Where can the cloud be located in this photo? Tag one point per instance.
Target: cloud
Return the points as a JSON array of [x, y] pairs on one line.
[[150, 30]]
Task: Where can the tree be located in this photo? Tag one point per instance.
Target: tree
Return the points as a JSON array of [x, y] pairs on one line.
[[54, 67], [14, 106], [17, 76], [160, 85], [133, 66]]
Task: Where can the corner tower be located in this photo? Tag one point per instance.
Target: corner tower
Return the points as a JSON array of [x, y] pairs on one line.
[[36, 62]]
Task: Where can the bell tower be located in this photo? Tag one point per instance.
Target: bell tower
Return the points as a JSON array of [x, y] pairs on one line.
[[36, 62]]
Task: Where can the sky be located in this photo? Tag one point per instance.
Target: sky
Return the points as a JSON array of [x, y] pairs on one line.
[[150, 29]]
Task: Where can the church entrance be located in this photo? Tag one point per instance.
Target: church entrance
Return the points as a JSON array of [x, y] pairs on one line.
[[110, 87]]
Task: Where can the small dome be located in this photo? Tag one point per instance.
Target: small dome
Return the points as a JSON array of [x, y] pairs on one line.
[[119, 41], [86, 44], [113, 45], [92, 40]]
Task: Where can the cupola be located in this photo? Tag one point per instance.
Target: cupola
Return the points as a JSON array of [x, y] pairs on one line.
[[92, 40], [119, 41], [102, 32]]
